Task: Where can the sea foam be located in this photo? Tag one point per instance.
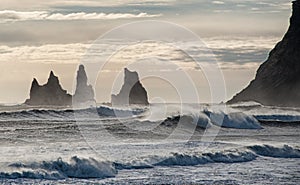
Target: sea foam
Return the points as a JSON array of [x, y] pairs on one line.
[[59, 169]]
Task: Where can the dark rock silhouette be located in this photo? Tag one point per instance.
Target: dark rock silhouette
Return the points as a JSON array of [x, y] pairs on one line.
[[53, 94], [84, 92], [277, 81], [49, 94], [132, 91]]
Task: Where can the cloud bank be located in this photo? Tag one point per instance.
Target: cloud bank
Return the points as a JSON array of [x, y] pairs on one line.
[[231, 53], [11, 15]]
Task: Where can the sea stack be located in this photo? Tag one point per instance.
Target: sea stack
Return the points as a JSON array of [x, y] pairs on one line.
[[132, 91], [49, 94], [277, 81], [52, 94], [84, 92]]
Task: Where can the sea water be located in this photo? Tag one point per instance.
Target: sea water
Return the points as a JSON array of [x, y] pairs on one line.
[[212, 144]]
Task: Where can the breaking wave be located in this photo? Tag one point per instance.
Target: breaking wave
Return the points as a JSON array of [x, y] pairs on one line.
[[280, 118], [237, 120], [203, 118], [70, 114], [178, 159], [271, 151], [59, 169], [219, 157], [206, 119], [90, 168]]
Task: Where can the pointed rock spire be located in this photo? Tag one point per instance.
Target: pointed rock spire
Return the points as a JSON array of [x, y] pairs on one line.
[[53, 79], [34, 83], [84, 92], [132, 91]]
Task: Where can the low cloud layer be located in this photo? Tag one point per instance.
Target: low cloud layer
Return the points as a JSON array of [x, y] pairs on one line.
[[11, 15], [234, 53]]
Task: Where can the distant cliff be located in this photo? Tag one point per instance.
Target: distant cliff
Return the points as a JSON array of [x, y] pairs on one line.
[[277, 81], [132, 91], [53, 94], [49, 94]]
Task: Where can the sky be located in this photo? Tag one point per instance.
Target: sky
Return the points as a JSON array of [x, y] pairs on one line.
[[37, 36]]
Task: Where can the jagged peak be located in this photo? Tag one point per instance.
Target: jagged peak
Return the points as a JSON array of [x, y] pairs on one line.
[[51, 74], [52, 78], [50, 93], [130, 77], [35, 82], [127, 71]]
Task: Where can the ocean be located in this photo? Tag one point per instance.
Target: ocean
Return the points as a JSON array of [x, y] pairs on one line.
[[245, 143]]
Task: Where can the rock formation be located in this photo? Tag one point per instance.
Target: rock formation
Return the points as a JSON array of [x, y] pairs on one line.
[[132, 91], [52, 93], [49, 94], [84, 92], [277, 81]]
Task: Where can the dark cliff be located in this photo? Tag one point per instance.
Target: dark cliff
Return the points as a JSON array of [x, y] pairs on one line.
[[277, 81]]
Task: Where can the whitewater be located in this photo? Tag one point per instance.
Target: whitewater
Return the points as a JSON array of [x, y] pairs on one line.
[[244, 143]]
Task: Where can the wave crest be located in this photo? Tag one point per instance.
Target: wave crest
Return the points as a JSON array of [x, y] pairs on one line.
[[70, 114], [59, 169], [206, 119], [91, 168], [178, 159], [271, 151]]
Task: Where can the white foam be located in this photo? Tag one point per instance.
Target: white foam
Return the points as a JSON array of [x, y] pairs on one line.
[[59, 169], [236, 120]]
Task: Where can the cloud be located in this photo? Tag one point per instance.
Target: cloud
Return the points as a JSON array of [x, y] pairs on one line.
[[46, 4], [11, 15], [248, 42], [222, 11], [218, 2], [237, 66], [91, 16], [50, 53], [15, 15], [234, 53]]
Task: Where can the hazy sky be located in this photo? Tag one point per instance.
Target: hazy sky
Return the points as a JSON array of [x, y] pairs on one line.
[[39, 35]]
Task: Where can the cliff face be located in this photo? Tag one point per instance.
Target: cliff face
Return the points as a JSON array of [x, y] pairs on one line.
[[277, 81], [49, 94], [132, 91], [84, 92]]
